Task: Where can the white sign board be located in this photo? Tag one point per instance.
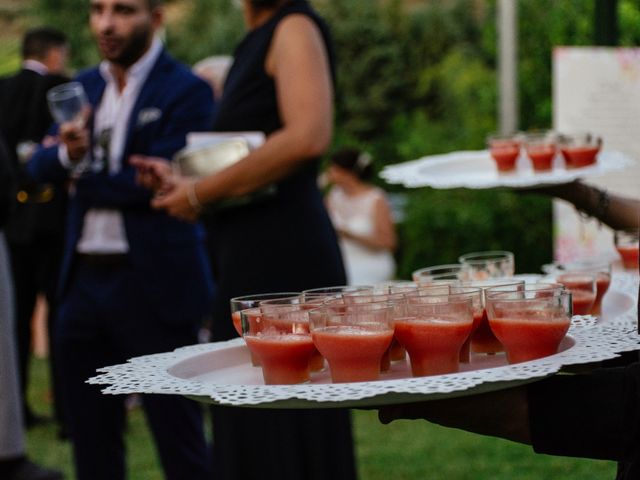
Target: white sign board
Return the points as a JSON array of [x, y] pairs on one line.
[[596, 89]]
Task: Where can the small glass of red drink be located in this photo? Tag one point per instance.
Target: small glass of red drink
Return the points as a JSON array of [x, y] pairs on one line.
[[601, 269], [252, 301], [395, 352], [482, 339], [353, 339], [425, 295], [582, 286], [530, 323], [489, 264], [627, 242], [289, 308], [541, 150], [250, 316], [505, 150], [282, 342], [580, 149], [434, 329]]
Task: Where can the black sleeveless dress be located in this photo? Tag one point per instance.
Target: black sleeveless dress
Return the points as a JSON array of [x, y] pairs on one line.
[[284, 242]]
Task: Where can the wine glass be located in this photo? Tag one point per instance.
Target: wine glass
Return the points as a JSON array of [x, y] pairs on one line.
[[67, 102]]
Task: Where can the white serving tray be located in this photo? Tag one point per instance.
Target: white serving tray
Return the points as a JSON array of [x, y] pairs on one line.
[[221, 372], [477, 170]]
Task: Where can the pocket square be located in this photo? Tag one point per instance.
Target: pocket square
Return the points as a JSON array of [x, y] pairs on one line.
[[148, 115]]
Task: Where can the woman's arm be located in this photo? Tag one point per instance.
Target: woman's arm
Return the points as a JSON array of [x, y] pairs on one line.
[[298, 62], [615, 211]]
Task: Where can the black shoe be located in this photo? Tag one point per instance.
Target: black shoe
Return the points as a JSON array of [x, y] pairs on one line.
[[27, 470]]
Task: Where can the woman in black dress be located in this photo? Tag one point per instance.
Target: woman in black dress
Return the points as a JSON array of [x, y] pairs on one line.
[[281, 83]]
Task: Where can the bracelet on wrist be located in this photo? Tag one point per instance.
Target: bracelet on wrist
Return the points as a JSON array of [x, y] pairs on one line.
[[194, 203], [596, 207]]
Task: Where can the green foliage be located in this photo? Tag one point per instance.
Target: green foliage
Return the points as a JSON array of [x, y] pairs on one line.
[[370, 82], [548, 24], [9, 58], [213, 27], [441, 225], [72, 17], [629, 22]]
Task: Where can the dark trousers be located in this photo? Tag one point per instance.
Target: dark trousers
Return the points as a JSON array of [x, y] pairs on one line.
[[105, 319], [35, 267]]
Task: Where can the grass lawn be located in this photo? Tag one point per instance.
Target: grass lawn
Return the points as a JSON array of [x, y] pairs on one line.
[[404, 450]]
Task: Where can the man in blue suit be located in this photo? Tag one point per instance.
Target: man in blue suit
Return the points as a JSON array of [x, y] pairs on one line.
[[134, 281]]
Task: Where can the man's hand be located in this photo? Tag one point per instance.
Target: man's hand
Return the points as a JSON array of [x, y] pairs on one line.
[[76, 137]]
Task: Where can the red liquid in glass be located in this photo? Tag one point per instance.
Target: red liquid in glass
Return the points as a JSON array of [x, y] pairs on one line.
[[541, 157], [580, 288], [284, 358], [505, 156], [526, 340], [603, 280], [316, 363], [583, 301], [483, 340], [433, 345], [629, 256], [354, 354], [237, 322], [576, 157], [465, 351], [397, 352]]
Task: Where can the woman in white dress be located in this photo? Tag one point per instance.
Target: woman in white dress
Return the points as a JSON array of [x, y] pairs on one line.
[[361, 215]]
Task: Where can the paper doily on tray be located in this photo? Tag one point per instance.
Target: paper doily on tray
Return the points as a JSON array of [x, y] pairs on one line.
[[476, 170], [151, 374]]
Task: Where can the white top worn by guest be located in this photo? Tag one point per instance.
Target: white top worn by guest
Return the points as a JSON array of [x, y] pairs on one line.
[[354, 217]]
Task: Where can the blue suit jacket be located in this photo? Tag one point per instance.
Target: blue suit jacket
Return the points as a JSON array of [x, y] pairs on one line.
[[167, 254]]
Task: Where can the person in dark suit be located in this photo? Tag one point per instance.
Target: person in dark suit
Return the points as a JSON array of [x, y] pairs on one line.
[[133, 281], [35, 228], [14, 463]]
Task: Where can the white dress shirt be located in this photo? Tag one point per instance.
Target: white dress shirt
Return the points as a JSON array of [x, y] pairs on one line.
[[103, 230], [35, 66]]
